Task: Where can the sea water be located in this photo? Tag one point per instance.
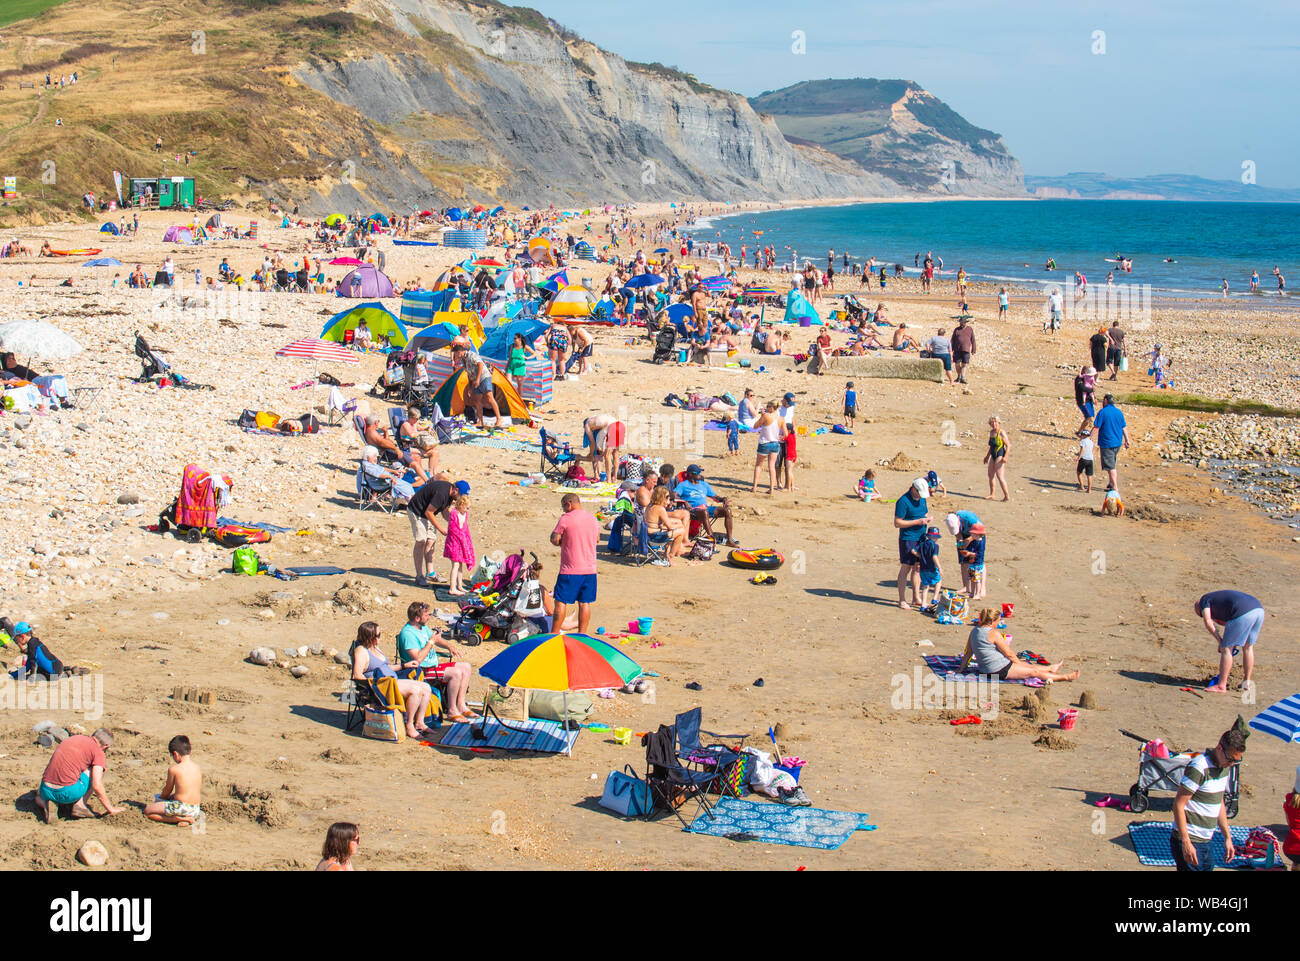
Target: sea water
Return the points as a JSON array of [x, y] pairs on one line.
[[1010, 241]]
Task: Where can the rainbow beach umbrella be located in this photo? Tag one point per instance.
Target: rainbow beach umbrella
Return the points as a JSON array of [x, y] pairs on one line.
[[561, 662], [761, 291]]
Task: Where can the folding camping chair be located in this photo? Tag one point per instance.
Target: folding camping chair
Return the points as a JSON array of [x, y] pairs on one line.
[[651, 548], [359, 697], [375, 492], [84, 398], [557, 458], [671, 782], [413, 394]]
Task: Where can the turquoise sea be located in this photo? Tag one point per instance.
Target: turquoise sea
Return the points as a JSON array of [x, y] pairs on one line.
[[1010, 241]]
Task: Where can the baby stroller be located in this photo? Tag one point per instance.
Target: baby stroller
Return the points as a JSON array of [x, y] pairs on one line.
[[509, 609], [665, 343], [1166, 773]]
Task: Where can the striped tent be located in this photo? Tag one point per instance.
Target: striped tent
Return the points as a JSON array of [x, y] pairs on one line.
[[469, 239], [313, 348], [1281, 720], [419, 306]]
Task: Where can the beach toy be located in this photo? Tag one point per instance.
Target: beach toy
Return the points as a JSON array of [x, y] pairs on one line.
[[644, 624], [968, 719], [681, 356], [1066, 717], [1008, 610], [633, 627], [766, 559], [623, 735], [600, 727]]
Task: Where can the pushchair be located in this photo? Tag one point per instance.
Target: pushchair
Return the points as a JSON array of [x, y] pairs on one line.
[[1166, 773], [665, 343], [509, 609], [154, 365]]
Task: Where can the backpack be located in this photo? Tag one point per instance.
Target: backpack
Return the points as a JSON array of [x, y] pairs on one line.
[[248, 419]]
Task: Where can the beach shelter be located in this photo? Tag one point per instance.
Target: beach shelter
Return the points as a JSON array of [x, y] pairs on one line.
[[333, 220], [455, 214], [372, 283], [378, 318], [178, 235], [380, 219], [450, 396], [539, 248], [572, 301], [347, 262], [419, 306], [678, 314], [448, 278], [435, 336], [213, 222], [103, 262], [109, 229], [498, 342], [797, 308]]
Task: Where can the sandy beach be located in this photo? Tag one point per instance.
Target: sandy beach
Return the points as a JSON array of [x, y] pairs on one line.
[[150, 613]]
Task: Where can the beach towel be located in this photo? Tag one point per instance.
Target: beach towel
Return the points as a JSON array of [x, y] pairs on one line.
[[260, 525], [501, 443], [386, 691], [313, 571], [538, 736], [1151, 842], [778, 824], [724, 425], [948, 667]]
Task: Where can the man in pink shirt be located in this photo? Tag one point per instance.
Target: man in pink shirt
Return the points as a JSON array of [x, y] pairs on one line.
[[575, 535]]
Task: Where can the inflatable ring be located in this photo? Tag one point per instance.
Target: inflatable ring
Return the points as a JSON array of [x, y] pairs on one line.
[[764, 560]]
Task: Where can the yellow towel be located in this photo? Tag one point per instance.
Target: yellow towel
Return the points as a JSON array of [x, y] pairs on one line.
[[387, 691]]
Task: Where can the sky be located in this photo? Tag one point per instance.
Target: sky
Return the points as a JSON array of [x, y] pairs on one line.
[[1191, 87]]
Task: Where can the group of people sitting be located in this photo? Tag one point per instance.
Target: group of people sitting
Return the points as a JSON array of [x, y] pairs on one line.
[[670, 502], [389, 459]]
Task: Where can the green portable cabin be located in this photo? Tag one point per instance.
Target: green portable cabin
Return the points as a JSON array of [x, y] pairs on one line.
[[166, 192]]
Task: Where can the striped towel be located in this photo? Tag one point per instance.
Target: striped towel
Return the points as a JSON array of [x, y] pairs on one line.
[[542, 737]]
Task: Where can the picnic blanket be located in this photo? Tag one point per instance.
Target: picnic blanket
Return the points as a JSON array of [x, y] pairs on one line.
[[948, 667], [1151, 842], [260, 526], [723, 425], [542, 737], [779, 824], [594, 490]]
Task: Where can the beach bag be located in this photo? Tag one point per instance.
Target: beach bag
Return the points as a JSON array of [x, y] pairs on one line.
[[232, 535], [248, 419], [265, 419], [734, 781], [244, 561], [550, 705], [384, 725], [1123, 363], [702, 549], [508, 703], [626, 794]]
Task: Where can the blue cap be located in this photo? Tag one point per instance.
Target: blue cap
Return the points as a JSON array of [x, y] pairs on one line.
[[22, 627], [695, 469], [462, 487]]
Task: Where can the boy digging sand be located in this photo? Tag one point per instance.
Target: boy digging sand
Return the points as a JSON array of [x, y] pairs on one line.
[[179, 801]]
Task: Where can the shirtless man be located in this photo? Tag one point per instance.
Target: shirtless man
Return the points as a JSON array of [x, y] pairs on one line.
[[604, 448], [179, 801], [645, 494], [377, 437], [903, 340]]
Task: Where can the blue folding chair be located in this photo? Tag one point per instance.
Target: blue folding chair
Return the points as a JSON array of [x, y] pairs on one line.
[[557, 458]]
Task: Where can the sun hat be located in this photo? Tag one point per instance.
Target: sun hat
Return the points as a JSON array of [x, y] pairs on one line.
[[953, 523], [462, 487], [977, 528], [933, 532], [695, 469], [788, 398], [22, 627], [922, 487]]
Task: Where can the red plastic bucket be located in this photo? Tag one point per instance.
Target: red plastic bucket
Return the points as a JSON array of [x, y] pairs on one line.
[[1067, 717]]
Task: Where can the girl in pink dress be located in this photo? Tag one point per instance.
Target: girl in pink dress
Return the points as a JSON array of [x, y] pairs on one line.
[[458, 547]]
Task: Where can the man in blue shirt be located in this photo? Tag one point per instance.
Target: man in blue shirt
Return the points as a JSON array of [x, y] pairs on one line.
[[697, 492], [912, 518], [417, 647], [1241, 616], [1110, 430]]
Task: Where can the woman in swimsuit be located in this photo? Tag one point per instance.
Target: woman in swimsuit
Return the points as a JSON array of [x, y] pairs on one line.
[[996, 458], [369, 664], [771, 433], [659, 520], [340, 846]]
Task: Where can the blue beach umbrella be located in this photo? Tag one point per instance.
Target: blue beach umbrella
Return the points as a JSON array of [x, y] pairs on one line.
[[103, 262], [644, 280]]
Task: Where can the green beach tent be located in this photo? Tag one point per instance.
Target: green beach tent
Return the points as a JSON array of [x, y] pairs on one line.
[[797, 308], [333, 219], [376, 316]]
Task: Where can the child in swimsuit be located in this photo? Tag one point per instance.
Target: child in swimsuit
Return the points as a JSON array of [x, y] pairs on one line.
[[179, 801]]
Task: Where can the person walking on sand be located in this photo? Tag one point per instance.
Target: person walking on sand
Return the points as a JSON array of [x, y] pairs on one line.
[[1110, 430], [75, 772], [1240, 616], [1199, 808], [1114, 350], [996, 458], [912, 520], [963, 347], [576, 535]]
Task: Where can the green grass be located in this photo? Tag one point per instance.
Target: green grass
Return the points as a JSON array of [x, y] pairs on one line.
[[11, 11], [1209, 405]]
